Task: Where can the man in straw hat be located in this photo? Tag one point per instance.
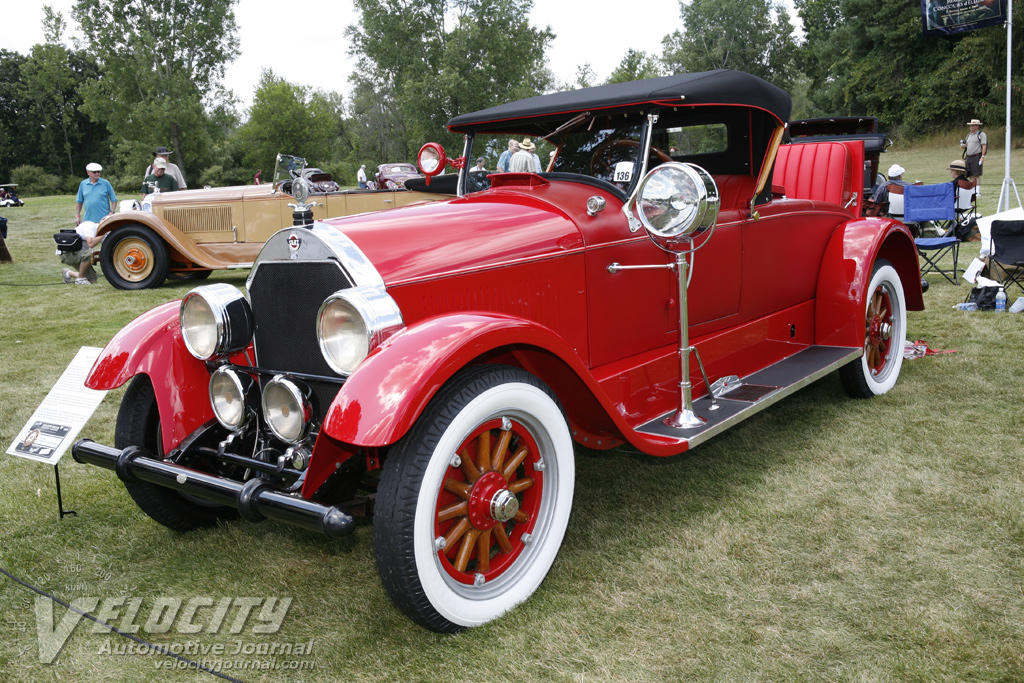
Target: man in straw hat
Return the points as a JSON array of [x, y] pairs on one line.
[[172, 168], [975, 147], [523, 160], [967, 224]]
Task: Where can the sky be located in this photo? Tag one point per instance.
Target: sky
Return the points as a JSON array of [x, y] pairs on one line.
[[600, 35]]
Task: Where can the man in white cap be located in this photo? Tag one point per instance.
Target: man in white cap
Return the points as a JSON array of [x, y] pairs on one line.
[[896, 178], [361, 177], [95, 195], [975, 147]]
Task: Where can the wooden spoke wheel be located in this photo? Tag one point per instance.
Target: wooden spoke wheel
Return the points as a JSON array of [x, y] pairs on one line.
[[488, 502], [885, 329], [474, 501]]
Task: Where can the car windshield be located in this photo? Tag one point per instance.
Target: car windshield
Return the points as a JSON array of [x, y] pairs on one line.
[[607, 153], [288, 167], [399, 168], [610, 154]]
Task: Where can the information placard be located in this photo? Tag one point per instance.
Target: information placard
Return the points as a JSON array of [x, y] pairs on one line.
[[57, 421]]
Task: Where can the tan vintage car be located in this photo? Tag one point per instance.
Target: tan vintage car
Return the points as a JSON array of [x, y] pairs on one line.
[[186, 235]]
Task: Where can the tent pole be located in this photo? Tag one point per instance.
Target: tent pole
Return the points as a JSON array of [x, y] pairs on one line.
[[1004, 193]]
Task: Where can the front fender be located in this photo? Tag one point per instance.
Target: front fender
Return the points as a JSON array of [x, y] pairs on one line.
[[845, 274], [175, 239], [388, 392], [152, 345]]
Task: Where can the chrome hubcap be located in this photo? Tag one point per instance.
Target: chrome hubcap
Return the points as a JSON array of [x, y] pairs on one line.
[[504, 506]]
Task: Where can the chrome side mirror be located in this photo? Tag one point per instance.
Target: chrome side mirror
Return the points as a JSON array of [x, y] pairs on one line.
[[676, 202]]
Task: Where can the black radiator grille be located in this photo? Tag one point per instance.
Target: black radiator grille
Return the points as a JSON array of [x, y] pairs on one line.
[[285, 298]]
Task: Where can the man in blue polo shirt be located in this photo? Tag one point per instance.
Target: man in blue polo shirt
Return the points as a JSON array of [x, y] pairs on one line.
[[95, 195]]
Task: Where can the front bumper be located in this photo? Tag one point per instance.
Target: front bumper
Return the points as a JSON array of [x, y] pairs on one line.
[[254, 499]]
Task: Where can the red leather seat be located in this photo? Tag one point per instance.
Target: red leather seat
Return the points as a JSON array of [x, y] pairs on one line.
[[819, 171]]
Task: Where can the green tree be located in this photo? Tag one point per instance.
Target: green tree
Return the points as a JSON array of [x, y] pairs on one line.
[[974, 76], [163, 61], [870, 57], [635, 65], [290, 119], [754, 36], [440, 58], [585, 77], [51, 78], [14, 120], [377, 125]]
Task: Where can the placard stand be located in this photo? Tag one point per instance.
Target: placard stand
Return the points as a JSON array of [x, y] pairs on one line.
[[60, 500]]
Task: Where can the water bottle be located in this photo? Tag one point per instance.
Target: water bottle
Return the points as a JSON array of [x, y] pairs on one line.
[[967, 306], [1001, 301]]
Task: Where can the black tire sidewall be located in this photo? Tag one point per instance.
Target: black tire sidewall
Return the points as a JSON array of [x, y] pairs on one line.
[[161, 259], [138, 425]]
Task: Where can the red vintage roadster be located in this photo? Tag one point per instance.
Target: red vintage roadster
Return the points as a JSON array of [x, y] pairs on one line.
[[675, 271]]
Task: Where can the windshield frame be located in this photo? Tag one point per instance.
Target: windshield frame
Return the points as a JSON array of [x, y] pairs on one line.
[[650, 118], [286, 168]]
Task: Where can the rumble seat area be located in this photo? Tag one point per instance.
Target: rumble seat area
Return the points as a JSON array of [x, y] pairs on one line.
[[819, 171]]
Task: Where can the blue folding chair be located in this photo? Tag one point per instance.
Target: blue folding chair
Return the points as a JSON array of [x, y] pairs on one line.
[[922, 203]]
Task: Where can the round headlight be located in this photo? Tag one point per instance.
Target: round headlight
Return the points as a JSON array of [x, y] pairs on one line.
[[215, 321], [431, 159], [353, 322], [227, 396], [287, 408], [676, 201]]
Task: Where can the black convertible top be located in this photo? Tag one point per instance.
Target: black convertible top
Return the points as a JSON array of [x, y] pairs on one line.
[[720, 87]]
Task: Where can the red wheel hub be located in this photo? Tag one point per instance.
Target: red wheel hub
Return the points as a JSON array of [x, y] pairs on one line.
[[491, 502], [488, 503]]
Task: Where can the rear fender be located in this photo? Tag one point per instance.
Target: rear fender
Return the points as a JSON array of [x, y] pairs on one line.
[[152, 345], [845, 274], [385, 396]]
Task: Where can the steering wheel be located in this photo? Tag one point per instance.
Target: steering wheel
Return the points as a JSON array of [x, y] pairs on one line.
[[601, 160]]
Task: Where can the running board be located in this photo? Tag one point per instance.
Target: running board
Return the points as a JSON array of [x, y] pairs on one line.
[[738, 400]]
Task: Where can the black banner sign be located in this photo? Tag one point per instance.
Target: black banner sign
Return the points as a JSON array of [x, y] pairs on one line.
[[944, 17]]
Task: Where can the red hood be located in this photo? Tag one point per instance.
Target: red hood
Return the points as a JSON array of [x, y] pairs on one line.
[[483, 230]]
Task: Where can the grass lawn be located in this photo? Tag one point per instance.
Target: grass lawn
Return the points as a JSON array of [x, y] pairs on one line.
[[826, 539]]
